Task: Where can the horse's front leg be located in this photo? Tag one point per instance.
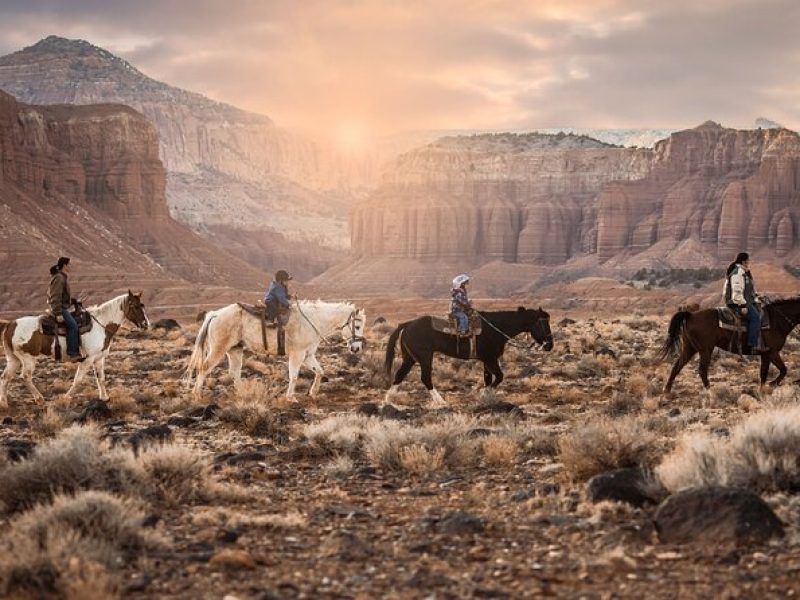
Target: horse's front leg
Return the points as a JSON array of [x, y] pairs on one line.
[[775, 357], [28, 365], [312, 363], [295, 360], [12, 365], [100, 376], [79, 373], [235, 360]]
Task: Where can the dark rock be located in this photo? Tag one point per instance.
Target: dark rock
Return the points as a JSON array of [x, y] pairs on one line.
[[17, 450], [621, 485], [606, 352], [152, 434], [23, 424], [167, 324], [379, 320], [389, 411], [423, 579], [499, 407], [549, 489], [349, 511], [716, 515], [180, 421], [530, 371], [721, 431], [8, 420], [352, 360], [346, 545], [674, 412], [566, 321], [522, 495], [369, 409], [151, 520], [569, 358], [96, 410], [229, 536], [490, 593], [241, 457], [209, 412], [458, 522], [138, 583]]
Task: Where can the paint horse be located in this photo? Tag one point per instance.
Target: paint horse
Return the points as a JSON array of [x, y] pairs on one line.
[[24, 342], [232, 329]]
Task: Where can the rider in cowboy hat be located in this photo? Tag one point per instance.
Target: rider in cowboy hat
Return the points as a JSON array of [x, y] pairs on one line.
[[277, 297], [60, 300], [460, 306]]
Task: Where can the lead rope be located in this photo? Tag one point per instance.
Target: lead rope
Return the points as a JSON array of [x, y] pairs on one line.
[[511, 341]]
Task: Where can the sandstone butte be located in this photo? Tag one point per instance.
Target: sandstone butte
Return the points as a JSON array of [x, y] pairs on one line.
[[86, 181], [516, 207], [233, 176]]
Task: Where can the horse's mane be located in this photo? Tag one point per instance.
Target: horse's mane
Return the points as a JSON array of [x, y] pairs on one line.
[[320, 302], [97, 306]]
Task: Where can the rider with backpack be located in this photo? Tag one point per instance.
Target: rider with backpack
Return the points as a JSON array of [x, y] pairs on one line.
[[741, 297]]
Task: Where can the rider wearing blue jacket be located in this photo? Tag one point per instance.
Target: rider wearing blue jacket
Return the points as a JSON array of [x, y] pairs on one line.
[[277, 297]]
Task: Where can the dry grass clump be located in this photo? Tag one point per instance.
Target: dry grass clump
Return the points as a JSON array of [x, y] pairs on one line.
[[50, 549], [340, 466], [339, 433], [622, 403], [638, 384], [724, 395], [760, 454], [591, 366], [372, 363], [499, 451], [251, 416], [78, 460], [420, 460], [52, 421], [604, 444]]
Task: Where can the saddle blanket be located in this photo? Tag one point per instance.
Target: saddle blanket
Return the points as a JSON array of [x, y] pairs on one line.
[[730, 321], [48, 324]]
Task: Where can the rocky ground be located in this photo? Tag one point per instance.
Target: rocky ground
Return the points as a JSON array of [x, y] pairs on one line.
[[245, 495]]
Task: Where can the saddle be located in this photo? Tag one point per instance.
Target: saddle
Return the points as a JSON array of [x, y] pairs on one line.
[[729, 320], [449, 326], [49, 326], [267, 322]]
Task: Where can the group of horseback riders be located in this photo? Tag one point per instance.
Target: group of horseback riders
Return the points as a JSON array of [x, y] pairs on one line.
[[739, 293]]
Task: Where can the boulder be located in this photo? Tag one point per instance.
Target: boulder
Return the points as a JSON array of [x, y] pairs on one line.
[[716, 515], [622, 485]]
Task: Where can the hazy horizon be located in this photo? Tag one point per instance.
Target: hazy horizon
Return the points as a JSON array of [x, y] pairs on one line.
[[362, 69]]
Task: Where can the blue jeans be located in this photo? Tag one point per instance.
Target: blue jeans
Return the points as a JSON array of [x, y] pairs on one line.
[[73, 335], [463, 321], [753, 325]]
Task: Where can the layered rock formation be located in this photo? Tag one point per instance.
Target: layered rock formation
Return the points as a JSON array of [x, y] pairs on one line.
[[207, 147], [514, 198], [87, 181], [728, 189]]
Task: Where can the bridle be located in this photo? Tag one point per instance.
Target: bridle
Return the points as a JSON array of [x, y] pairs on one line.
[[351, 322], [512, 342]]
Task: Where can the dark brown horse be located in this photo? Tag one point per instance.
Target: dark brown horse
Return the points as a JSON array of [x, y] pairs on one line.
[[419, 341], [693, 332]]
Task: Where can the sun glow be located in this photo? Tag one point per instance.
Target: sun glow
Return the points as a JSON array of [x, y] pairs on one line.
[[351, 136]]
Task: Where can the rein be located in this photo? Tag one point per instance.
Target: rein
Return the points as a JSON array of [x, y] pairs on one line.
[[511, 340], [350, 321]]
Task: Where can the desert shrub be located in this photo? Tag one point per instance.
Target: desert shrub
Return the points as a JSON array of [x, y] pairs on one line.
[[622, 403], [251, 416], [499, 451], [760, 454], [175, 474], [416, 458], [372, 363], [48, 549], [590, 366], [339, 466], [604, 444], [339, 433], [724, 395]]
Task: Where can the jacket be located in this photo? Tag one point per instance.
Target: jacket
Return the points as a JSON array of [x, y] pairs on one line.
[[740, 288], [58, 295], [459, 301], [278, 293]]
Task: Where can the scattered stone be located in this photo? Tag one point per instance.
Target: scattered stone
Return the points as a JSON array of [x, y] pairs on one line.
[[369, 409], [550, 489], [389, 411], [345, 545], [8, 420], [606, 352], [96, 410], [166, 324], [522, 495], [674, 412], [233, 559], [351, 360], [716, 515], [479, 432], [23, 424], [349, 511], [499, 407], [379, 320], [622, 485], [17, 450], [458, 522], [138, 583], [151, 520], [228, 536], [530, 371], [241, 457], [200, 317], [180, 421], [152, 434]]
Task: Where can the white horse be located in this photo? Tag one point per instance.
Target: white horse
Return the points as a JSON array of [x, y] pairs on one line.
[[230, 330], [23, 342]]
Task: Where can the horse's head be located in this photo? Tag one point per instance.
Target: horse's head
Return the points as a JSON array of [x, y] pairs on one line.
[[355, 328], [539, 326], [133, 309]]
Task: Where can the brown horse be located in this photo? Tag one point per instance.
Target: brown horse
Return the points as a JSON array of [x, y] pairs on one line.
[[700, 332]]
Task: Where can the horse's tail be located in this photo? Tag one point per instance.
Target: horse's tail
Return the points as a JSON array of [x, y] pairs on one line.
[[676, 327], [200, 351], [390, 347]]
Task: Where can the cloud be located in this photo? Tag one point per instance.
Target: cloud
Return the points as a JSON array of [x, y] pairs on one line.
[[443, 63]]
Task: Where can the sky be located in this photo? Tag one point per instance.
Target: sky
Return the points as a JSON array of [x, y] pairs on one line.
[[378, 67]]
